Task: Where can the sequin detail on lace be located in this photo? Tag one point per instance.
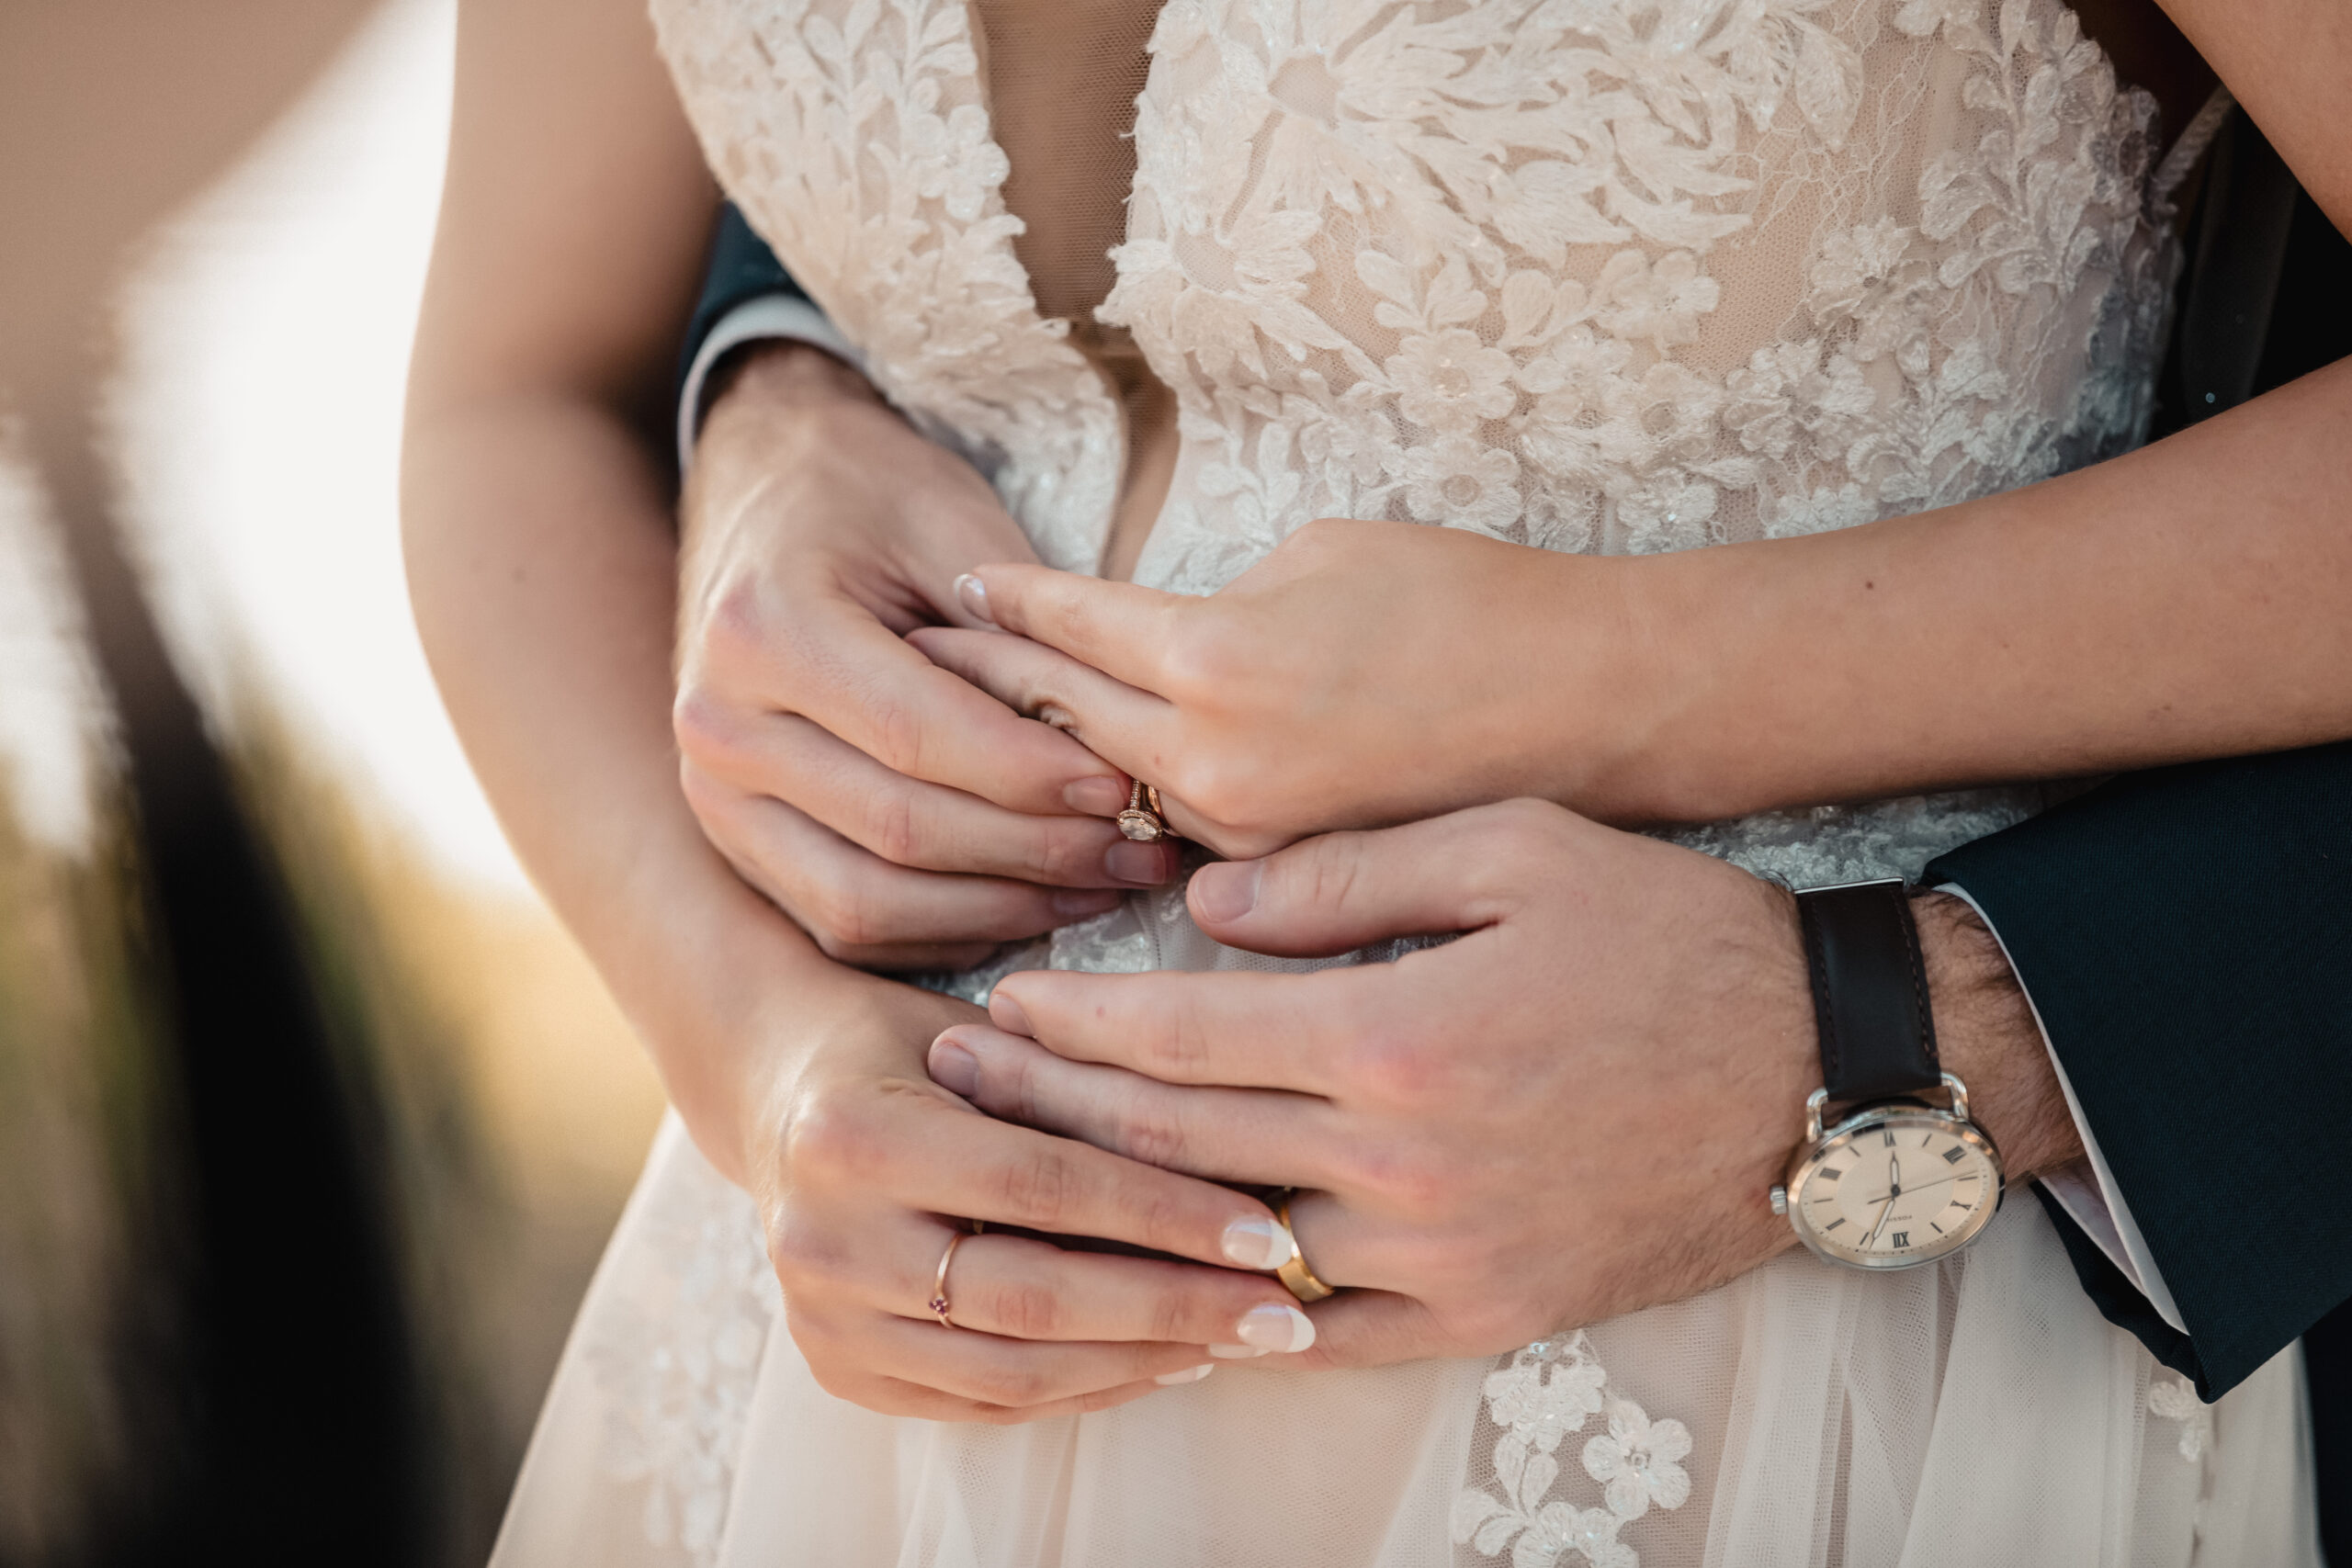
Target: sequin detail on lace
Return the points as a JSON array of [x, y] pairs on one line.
[[2175, 1399], [1548, 1393]]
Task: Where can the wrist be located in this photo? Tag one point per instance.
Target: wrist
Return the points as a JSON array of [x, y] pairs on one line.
[[1987, 1037], [1656, 638], [725, 991], [781, 373]]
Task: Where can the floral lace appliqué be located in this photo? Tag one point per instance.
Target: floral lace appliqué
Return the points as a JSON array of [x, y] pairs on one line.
[[677, 1355], [2176, 1399], [1550, 1392]]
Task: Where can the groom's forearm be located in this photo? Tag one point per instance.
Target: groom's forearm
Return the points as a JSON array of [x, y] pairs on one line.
[[2183, 938], [1987, 1037]]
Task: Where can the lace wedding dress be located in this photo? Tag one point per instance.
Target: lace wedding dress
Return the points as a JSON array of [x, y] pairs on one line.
[[1589, 274]]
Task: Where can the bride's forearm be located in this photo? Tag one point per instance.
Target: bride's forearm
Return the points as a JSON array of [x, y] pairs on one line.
[[2191, 599], [542, 562]]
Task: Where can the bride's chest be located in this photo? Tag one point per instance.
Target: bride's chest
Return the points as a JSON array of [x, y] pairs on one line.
[[1659, 271]]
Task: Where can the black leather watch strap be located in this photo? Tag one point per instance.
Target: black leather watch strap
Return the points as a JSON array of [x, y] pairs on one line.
[[1870, 992]]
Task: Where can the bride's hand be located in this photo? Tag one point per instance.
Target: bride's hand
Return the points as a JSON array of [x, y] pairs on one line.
[[857, 1156], [1574, 1110], [1364, 674], [904, 819]]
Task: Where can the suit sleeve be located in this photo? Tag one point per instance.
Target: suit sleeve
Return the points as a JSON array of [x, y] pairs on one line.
[[747, 296], [2186, 937]]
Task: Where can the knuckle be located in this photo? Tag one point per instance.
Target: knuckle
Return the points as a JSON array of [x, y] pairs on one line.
[[841, 911], [1249, 803], [702, 724], [897, 732], [733, 630], [1031, 1309], [1039, 1187], [827, 1140], [803, 1260], [1396, 1066], [1178, 1050], [1152, 1133], [1331, 870], [1065, 851], [1177, 1318], [895, 824], [1195, 657], [1161, 1218], [1013, 1386]]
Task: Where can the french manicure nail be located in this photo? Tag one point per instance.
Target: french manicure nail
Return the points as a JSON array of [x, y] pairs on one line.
[[1253, 1243], [1007, 1015], [974, 596], [1096, 797], [1078, 905], [953, 1068], [1190, 1374], [1235, 1352], [1272, 1328], [1226, 892], [1140, 866]]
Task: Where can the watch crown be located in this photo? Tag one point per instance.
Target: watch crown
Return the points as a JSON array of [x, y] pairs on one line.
[[1780, 1199]]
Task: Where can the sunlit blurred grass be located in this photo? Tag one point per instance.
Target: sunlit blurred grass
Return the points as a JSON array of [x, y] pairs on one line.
[[513, 1110], [76, 1134], [518, 1107]]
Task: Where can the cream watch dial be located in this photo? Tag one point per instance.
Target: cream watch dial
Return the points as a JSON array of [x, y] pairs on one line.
[[1893, 1187]]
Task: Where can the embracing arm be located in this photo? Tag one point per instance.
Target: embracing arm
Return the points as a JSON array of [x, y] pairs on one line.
[[542, 566], [2188, 600], [2182, 934], [2183, 601]]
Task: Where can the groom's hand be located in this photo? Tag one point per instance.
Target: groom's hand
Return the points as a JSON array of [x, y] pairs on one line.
[[1576, 1110], [904, 818]]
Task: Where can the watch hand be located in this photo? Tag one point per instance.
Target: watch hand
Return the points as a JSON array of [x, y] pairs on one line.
[[1885, 1207], [1930, 1187]]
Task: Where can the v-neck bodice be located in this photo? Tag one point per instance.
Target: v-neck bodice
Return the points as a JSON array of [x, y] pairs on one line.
[[1584, 274]]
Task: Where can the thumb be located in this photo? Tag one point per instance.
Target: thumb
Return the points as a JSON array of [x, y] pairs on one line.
[[1327, 894]]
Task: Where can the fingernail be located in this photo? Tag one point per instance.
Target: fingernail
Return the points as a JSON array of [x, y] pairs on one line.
[[1078, 905], [1140, 866], [1235, 1352], [953, 1068], [1096, 797], [1190, 1374], [1226, 892], [1281, 1328], [1253, 1243], [1007, 1015], [972, 594]]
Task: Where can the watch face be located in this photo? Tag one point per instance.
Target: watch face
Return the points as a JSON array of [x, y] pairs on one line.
[[1894, 1187]]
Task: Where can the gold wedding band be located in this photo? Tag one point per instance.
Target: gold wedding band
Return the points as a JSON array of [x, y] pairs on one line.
[[939, 1304], [1143, 820], [1296, 1276]]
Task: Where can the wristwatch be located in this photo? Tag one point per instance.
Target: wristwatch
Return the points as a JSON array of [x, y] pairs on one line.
[[1899, 1180]]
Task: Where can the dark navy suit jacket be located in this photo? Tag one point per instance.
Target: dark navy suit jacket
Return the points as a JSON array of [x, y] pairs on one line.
[[2185, 933]]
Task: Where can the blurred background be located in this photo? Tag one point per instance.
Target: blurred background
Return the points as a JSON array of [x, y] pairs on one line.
[[311, 1119], [312, 1122]]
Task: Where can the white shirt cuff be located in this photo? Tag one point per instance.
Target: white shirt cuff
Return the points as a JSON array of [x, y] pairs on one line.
[[768, 316], [2086, 1188]]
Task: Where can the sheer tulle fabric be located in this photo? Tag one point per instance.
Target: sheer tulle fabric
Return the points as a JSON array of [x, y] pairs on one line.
[[1978, 1413], [1590, 275]]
